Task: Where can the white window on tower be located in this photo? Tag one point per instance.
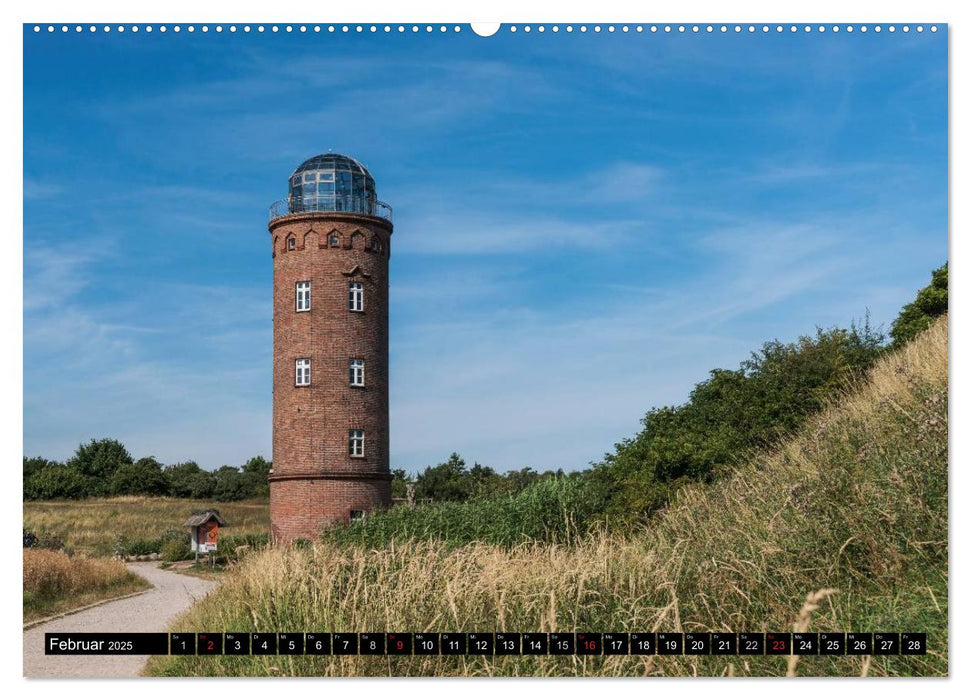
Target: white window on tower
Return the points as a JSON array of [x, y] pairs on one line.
[[357, 372], [357, 515], [355, 296], [303, 296], [355, 443], [303, 372]]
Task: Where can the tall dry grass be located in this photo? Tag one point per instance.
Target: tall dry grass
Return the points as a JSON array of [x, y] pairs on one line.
[[855, 507], [54, 581], [94, 526]]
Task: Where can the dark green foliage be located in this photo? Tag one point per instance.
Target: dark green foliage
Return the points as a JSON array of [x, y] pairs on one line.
[[44, 540], [553, 510], [730, 415], [127, 546], [918, 315], [104, 468], [257, 470], [99, 460], [189, 480], [447, 481], [135, 548], [143, 478], [452, 481], [55, 481], [176, 550], [399, 483], [235, 485], [38, 481], [254, 540], [32, 465]]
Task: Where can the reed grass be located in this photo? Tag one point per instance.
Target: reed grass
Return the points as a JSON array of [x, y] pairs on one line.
[[557, 509]]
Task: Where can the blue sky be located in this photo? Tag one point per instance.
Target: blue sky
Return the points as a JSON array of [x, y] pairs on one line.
[[584, 224]]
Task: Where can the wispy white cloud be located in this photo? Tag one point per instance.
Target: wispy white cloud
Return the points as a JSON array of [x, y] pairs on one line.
[[176, 371], [54, 273], [510, 235], [39, 189]]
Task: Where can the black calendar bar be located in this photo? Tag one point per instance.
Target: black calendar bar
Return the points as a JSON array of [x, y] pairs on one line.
[[490, 643]]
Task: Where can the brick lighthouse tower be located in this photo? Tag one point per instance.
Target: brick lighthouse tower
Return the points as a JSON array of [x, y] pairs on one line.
[[331, 244]]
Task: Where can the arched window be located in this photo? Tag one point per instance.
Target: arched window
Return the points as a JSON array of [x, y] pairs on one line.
[[291, 243]]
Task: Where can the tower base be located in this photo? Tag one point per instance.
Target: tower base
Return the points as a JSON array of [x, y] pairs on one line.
[[301, 505]]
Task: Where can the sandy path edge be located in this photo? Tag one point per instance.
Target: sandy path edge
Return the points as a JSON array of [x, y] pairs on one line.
[[45, 620], [145, 611]]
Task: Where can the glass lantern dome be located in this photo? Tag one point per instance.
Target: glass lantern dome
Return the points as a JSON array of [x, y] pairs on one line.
[[332, 182]]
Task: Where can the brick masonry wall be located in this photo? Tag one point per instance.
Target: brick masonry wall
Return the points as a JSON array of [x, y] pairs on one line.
[[315, 481]]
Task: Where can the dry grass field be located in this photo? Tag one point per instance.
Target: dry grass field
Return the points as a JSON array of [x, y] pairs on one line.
[[55, 582], [95, 526], [844, 528]]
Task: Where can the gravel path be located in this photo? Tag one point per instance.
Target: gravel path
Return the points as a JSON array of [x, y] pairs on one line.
[[151, 611]]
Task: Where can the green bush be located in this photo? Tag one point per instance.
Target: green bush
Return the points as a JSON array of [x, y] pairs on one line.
[[189, 480], [176, 550], [48, 540], [730, 415], [253, 540], [133, 547], [56, 481], [143, 478], [918, 315], [234, 485]]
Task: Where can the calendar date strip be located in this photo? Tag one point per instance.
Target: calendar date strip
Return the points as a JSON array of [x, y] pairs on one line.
[[489, 643]]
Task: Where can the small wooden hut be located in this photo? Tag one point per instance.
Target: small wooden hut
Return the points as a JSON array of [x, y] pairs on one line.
[[204, 527]]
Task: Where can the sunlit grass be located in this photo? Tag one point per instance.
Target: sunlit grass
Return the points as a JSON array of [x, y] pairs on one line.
[[55, 582], [95, 526]]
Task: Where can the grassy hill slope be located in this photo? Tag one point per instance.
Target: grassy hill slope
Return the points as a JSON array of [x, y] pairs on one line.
[[844, 528]]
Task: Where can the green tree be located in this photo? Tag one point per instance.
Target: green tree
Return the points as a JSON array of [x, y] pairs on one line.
[[399, 483], [485, 482], [918, 315], [189, 480], [144, 478], [99, 460], [233, 484], [229, 485], [55, 481], [448, 481], [32, 467], [256, 471]]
